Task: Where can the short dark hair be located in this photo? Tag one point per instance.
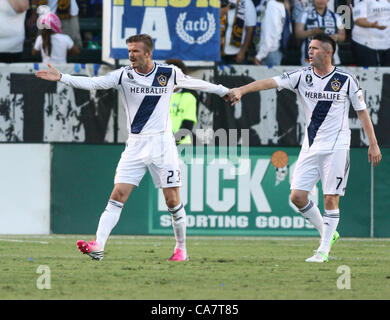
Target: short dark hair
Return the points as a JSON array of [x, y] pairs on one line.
[[327, 39], [177, 63], [144, 38]]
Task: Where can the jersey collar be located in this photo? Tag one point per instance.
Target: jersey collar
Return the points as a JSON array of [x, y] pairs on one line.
[[325, 76], [148, 74]]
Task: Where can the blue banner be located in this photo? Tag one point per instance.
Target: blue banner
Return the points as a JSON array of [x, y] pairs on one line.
[[184, 29]]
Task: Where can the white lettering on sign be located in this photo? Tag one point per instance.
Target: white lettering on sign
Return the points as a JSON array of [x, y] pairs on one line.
[[227, 200], [221, 198], [250, 185], [239, 222], [156, 25], [209, 221]]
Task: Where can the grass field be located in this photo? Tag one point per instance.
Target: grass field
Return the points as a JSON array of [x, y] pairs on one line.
[[219, 268]]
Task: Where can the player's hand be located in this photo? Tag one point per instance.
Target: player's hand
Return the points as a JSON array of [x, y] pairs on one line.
[[234, 95], [316, 31], [374, 154], [256, 61], [377, 26], [240, 57], [52, 74]]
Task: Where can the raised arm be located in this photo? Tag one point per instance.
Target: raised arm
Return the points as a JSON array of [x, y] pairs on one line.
[[374, 153], [235, 94]]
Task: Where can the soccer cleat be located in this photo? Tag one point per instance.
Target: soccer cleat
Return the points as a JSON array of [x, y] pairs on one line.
[[336, 235], [179, 255], [319, 256], [90, 248]]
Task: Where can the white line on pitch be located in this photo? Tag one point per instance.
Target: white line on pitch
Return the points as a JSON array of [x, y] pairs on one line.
[[15, 240]]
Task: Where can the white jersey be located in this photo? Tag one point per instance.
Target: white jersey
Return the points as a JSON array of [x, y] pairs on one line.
[[146, 97], [326, 102], [372, 10]]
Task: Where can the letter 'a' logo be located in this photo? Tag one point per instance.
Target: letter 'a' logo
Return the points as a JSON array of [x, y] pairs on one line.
[[162, 80]]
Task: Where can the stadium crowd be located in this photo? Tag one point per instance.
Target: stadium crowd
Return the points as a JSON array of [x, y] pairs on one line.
[[266, 32]]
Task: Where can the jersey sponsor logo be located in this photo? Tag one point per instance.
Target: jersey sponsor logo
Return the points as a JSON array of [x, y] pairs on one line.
[[323, 95], [147, 90]]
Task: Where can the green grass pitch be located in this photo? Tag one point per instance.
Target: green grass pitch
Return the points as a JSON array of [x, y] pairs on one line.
[[135, 268]]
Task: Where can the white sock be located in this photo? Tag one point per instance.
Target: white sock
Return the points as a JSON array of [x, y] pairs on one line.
[[331, 220], [312, 214], [107, 222], [179, 224]]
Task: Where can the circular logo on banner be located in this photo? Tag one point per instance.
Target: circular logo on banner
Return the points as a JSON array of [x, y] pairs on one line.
[[279, 159], [182, 26]]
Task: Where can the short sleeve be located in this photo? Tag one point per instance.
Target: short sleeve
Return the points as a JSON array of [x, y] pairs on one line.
[[250, 14], [360, 10], [288, 80], [69, 43], [38, 43], [303, 17], [356, 95]]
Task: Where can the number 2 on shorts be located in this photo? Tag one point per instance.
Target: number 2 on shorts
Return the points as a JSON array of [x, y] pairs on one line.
[[171, 173]]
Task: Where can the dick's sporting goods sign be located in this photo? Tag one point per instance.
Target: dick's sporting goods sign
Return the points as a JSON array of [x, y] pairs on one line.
[[185, 29], [235, 194]]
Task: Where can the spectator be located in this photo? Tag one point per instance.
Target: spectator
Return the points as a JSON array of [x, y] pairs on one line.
[[300, 6], [12, 15], [272, 24], [238, 19], [183, 108], [317, 21], [371, 33], [67, 11], [53, 45]]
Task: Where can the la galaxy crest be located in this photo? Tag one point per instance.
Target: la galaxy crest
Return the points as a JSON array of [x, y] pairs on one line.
[[335, 85], [162, 80]]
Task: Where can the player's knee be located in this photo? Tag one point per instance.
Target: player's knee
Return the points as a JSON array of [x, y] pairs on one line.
[[172, 197], [331, 202], [118, 194], [172, 202], [298, 200]]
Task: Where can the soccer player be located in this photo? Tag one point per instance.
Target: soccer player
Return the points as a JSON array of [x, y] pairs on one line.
[[146, 88], [326, 93]]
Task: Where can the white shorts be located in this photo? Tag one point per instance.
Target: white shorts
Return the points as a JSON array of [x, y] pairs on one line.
[[156, 153], [332, 167]]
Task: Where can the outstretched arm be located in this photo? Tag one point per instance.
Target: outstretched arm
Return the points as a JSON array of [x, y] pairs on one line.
[[51, 75], [235, 94], [374, 153], [185, 81], [107, 81]]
